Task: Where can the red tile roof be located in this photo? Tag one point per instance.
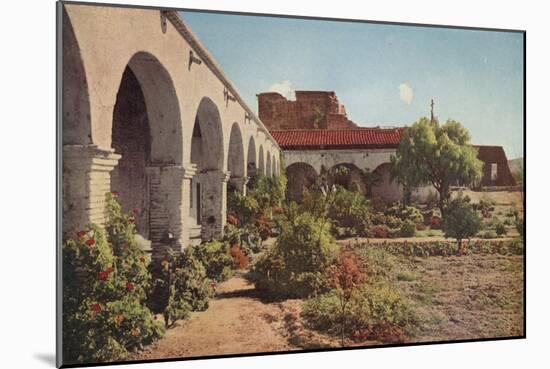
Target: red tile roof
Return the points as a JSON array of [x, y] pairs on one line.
[[344, 138]]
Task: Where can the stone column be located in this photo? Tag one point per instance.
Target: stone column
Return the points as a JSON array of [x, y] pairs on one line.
[[213, 203], [86, 179], [169, 191], [239, 183]]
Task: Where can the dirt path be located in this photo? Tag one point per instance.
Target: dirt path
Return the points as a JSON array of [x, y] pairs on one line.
[[237, 321]]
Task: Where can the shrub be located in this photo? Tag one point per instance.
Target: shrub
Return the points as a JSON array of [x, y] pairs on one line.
[[378, 219], [380, 231], [461, 221], [520, 225], [264, 227], [215, 257], [393, 222], [345, 276], [488, 234], [105, 285], [405, 213], [183, 286], [500, 229], [376, 312], [435, 222], [240, 260], [408, 229], [295, 265], [349, 209], [232, 220], [421, 227], [246, 207]]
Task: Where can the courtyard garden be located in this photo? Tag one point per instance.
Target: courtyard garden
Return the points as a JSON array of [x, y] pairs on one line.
[[336, 269]]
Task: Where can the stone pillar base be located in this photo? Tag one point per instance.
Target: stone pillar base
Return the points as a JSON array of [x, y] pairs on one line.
[[169, 187], [86, 179]]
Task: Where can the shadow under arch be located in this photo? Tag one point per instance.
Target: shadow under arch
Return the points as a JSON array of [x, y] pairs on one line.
[[301, 176], [236, 164], [209, 185], [146, 132]]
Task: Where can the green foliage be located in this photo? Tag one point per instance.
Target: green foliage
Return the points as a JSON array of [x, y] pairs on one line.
[[520, 225], [216, 258], [246, 208], [349, 209], [436, 154], [295, 265], [408, 229], [183, 286], [461, 220], [500, 229], [430, 248], [105, 284], [404, 213], [373, 309]]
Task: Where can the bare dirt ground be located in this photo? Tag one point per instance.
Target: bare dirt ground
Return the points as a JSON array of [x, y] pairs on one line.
[[236, 322]]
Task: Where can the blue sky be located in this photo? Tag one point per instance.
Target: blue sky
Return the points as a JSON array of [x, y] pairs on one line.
[[383, 74]]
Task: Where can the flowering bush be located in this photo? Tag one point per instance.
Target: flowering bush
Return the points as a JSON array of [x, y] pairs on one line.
[[232, 219], [240, 259], [380, 231], [105, 286], [183, 286], [435, 222]]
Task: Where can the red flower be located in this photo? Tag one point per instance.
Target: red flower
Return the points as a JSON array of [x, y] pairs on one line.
[[232, 219], [142, 259], [129, 286], [154, 317], [81, 234], [96, 308], [104, 275], [136, 211], [109, 269], [114, 193], [90, 242]]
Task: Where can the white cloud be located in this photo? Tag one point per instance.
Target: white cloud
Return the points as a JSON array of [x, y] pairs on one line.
[[406, 93], [284, 88]]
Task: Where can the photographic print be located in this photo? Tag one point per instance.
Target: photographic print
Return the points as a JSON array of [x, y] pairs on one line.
[[240, 184]]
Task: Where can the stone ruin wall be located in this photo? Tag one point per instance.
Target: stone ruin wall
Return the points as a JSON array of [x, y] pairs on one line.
[[310, 110]]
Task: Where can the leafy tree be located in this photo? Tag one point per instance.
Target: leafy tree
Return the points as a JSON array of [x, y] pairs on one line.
[[461, 220], [440, 155]]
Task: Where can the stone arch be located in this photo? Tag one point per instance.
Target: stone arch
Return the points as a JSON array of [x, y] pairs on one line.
[[208, 186], [207, 140], [76, 116], [261, 165], [385, 188], [268, 168], [163, 108], [347, 175], [301, 176], [236, 164], [146, 132]]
